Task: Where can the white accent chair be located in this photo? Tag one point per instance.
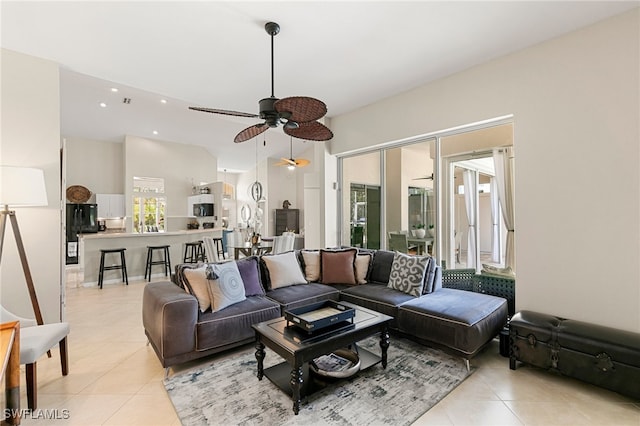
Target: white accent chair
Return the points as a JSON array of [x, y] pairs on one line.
[[35, 341], [283, 243]]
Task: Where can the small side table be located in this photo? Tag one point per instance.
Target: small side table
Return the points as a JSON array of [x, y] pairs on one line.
[[10, 357]]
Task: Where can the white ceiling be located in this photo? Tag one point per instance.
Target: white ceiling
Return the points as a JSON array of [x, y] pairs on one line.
[[217, 54]]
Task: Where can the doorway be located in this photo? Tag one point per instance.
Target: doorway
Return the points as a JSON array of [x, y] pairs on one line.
[[365, 216]]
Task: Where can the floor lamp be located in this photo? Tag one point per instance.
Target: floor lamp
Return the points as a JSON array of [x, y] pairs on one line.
[[21, 187]]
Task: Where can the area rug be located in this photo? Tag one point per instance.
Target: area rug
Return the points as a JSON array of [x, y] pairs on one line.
[[227, 391]]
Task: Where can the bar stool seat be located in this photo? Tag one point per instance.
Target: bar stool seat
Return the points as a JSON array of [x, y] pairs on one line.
[[194, 252], [165, 261], [122, 266]]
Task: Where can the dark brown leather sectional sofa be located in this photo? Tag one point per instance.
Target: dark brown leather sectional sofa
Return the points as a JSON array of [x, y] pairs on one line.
[[459, 321]]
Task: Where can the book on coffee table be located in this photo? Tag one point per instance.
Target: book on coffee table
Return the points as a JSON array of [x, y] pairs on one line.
[[332, 363]]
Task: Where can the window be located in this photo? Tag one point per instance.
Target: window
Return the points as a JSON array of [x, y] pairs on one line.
[[149, 206]]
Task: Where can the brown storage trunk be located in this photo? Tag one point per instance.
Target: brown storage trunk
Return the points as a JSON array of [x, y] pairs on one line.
[[603, 356]]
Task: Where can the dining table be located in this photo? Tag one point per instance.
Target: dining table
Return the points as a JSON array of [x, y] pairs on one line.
[[248, 249], [421, 243]]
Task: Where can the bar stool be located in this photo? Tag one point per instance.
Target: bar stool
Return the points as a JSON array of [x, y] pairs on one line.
[[193, 252], [219, 247], [122, 265], [166, 261]]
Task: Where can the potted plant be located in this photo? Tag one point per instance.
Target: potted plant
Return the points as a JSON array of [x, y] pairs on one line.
[[432, 230], [419, 232]]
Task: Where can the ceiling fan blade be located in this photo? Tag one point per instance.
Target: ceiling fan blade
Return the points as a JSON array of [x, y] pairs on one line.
[[313, 131], [301, 162], [289, 161], [251, 132], [300, 109], [225, 112]]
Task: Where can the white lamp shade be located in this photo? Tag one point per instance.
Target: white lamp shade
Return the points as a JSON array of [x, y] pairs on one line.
[[22, 187]]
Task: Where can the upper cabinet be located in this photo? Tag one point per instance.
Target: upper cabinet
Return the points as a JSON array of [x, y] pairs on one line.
[[110, 205]]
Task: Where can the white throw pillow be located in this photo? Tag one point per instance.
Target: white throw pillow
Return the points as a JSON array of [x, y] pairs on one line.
[[197, 278], [362, 267], [284, 270], [228, 288]]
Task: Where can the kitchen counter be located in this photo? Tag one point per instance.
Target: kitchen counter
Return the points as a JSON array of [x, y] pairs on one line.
[[107, 234], [136, 253]]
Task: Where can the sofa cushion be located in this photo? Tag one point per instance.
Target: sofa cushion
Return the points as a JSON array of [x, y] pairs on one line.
[[233, 324], [363, 260], [338, 266], [283, 270], [225, 285], [250, 273], [300, 295], [378, 297], [381, 267], [458, 319], [311, 264]]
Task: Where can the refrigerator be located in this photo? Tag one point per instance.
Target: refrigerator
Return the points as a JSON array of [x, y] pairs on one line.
[[80, 219]]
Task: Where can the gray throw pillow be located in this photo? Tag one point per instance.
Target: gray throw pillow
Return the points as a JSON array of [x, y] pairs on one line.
[[407, 273]]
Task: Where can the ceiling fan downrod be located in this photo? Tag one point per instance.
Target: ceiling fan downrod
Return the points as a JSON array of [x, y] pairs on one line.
[[272, 29]]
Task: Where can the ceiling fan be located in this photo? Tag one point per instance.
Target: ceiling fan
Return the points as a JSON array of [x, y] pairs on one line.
[[291, 162], [298, 114]]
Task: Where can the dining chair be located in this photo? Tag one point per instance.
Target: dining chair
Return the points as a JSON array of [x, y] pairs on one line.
[[35, 341], [283, 243], [211, 251], [398, 242]]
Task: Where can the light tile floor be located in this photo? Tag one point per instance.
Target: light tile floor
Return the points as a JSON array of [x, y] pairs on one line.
[[116, 379]]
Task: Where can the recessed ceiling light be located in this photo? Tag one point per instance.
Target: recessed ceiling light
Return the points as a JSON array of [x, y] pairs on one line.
[[103, 105], [163, 101], [114, 89], [155, 132]]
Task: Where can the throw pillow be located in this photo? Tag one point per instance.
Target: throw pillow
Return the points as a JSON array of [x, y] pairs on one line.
[[337, 267], [362, 267], [197, 283], [311, 261], [381, 266], [225, 285], [284, 269], [250, 273], [407, 273], [429, 276]]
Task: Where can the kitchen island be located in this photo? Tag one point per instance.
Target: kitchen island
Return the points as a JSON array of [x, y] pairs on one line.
[[136, 253]]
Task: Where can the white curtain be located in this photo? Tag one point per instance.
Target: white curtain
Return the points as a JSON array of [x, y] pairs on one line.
[[503, 159], [496, 241], [471, 200]]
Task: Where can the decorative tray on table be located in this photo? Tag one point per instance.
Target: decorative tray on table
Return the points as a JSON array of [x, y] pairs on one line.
[[319, 315]]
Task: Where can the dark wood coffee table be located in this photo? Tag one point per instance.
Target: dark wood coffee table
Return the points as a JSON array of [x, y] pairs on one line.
[[298, 347]]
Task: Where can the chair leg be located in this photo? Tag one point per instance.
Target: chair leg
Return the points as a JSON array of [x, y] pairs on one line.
[[32, 393], [64, 357]]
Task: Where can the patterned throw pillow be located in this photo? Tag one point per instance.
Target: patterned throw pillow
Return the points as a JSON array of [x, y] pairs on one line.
[[228, 288], [407, 273]]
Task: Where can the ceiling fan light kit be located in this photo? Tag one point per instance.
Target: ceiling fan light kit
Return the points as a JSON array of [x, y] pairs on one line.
[[297, 114]]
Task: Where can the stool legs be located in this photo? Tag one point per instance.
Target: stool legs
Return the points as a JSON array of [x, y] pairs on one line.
[[165, 262], [101, 273], [125, 277], [167, 259]]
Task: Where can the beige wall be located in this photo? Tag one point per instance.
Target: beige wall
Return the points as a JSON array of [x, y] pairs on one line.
[[96, 165], [30, 114], [179, 164], [575, 103]]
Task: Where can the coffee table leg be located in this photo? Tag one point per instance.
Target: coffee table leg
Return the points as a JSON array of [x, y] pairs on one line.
[[296, 385], [260, 357], [384, 345]]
